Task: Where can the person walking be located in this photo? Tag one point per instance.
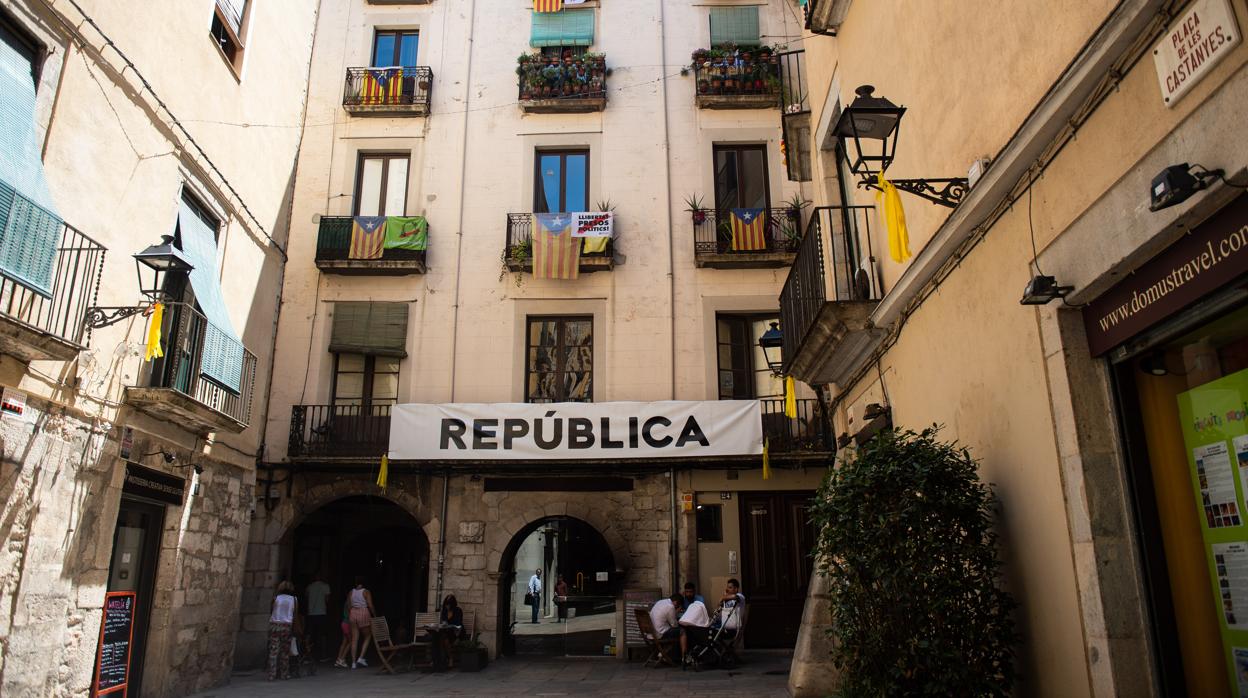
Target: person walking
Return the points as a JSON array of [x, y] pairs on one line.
[[318, 620], [360, 602], [561, 598], [281, 620], [535, 589]]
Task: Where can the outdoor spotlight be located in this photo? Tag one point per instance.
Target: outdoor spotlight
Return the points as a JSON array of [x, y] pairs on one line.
[[1177, 183], [1043, 289], [1154, 364]]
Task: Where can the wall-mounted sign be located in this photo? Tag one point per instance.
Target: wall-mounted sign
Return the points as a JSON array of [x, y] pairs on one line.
[[153, 484], [1204, 260], [575, 430], [112, 658], [13, 404], [1198, 40]]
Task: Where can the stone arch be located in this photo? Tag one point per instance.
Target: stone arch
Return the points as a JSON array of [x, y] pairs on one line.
[[293, 510], [507, 530]]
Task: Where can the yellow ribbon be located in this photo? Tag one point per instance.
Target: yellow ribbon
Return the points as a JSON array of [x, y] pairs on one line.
[[766, 461], [790, 398], [888, 208], [153, 333], [384, 474]]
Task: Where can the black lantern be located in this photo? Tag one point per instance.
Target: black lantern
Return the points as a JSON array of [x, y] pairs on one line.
[[153, 265], [772, 343], [872, 124]]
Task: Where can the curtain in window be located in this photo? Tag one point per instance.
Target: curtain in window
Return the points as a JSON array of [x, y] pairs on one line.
[[566, 28], [221, 359], [29, 225], [369, 328], [738, 25]]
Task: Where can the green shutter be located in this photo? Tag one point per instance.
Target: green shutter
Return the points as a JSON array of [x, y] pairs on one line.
[[369, 328], [738, 25], [564, 28]]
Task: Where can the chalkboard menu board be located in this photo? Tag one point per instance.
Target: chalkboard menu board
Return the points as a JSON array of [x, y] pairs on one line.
[[634, 599], [112, 661]]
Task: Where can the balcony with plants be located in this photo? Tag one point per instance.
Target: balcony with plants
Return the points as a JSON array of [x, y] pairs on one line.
[[729, 76], [720, 240], [593, 254], [567, 82]]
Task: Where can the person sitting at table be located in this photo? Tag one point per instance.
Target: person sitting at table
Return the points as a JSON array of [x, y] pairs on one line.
[[451, 624], [664, 614], [691, 594], [695, 626], [731, 606]]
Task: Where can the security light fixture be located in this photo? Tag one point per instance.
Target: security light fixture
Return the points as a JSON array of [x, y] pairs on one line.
[[1176, 184], [772, 343], [1043, 289], [153, 265], [872, 123]]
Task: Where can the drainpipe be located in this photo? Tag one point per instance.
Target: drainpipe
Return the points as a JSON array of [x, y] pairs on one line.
[[673, 547], [463, 183], [446, 490]]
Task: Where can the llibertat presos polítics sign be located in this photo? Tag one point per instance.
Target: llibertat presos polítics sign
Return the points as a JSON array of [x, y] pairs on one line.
[[576, 430]]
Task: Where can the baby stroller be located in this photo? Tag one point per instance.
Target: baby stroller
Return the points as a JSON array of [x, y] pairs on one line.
[[718, 647]]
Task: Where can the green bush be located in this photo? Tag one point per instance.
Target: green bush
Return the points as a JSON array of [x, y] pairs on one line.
[[906, 540]]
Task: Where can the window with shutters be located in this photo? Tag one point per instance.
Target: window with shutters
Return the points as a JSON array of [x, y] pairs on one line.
[[229, 25], [563, 28], [560, 360], [735, 25], [381, 184]]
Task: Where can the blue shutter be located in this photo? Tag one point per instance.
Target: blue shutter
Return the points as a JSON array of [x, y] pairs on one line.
[[738, 25], [221, 358], [564, 28], [29, 225]]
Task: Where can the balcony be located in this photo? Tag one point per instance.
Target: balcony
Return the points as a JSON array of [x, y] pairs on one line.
[[736, 78], [826, 303], [388, 91], [795, 115], [177, 391], [712, 240], [808, 433], [51, 328], [333, 253], [339, 431], [825, 16], [568, 85], [518, 250]]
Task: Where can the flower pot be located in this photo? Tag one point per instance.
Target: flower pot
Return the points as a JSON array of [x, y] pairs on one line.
[[471, 659], [699, 217]]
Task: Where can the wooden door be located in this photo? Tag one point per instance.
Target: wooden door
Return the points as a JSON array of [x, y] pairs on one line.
[[776, 540]]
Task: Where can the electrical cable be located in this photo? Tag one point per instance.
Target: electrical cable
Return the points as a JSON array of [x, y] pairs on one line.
[[1220, 174]]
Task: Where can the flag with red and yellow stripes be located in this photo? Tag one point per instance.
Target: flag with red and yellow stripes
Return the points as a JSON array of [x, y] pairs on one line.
[[547, 5], [748, 229], [556, 253], [382, 86], [368, 237]]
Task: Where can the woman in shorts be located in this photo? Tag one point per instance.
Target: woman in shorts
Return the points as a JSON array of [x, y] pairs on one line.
[[360, 603]]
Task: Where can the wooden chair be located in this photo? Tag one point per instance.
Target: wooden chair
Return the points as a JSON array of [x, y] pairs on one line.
[[387, 649], [659, 647], [422, 640]]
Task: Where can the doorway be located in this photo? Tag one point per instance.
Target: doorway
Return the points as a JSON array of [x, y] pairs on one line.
[[776, 543], [136, 552], [578, 622]]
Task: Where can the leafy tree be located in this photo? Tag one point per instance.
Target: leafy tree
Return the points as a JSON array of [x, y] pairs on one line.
[[907, 543]]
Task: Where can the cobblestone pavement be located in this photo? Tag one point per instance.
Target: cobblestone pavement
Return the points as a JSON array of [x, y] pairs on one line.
[[763, 674]]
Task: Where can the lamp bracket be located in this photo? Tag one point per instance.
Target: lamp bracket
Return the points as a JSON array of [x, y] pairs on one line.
[[98, 316], [946, 192]]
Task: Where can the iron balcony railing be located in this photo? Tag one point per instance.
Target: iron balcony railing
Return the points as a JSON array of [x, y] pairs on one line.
[[406, 88], [333, 242], [712, 231], [76, 272], [180, 369], [837, 239], [339, 431], [519, 244], [567, 77], [736, 73], [809, 431]]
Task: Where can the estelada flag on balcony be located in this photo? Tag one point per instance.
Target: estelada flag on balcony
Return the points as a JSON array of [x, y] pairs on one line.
[[548, 5], [748, 226], [382, 86], [556, 253], [368, 235], [407, 233]]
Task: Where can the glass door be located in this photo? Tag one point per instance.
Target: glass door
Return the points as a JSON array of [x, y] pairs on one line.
[[562, 181]]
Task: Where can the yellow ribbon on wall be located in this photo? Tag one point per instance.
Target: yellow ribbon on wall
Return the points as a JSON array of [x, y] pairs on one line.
[[766, 461], [888, 208], [790, 398], [153, 333], [384, 475]]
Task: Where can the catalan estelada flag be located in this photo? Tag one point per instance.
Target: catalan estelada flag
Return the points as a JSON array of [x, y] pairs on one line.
[[556, 253], [368, 236], [547, 5], [748, 229], [382, 86]]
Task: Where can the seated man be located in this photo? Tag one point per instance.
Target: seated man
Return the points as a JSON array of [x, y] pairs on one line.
[[732, 605], [695, 626], [664, 614], [691, 594]]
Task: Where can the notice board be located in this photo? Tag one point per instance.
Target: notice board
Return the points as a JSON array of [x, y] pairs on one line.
[[112, 659], [634, 599]]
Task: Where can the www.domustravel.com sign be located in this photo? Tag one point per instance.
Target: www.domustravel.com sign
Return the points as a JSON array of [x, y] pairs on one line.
[[566, 430]]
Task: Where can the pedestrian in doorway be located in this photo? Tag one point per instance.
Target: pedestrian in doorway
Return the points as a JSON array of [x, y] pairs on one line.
[[561, 598], [318, 619], [360, 602], [281, 620], [535, 592], [344, 646]]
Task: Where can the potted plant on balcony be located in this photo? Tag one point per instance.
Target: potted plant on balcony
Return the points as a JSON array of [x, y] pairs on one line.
[[791, 224], [471, 654], [694, 202]]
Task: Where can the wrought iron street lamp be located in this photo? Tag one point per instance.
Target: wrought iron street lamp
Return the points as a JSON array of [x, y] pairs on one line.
[[772, 343], [153, 265], [872, 123]]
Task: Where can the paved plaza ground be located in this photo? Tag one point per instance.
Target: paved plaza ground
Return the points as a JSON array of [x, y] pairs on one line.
[[762, 674]]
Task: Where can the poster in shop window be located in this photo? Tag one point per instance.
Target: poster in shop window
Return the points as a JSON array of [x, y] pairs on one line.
[[1214, 419]]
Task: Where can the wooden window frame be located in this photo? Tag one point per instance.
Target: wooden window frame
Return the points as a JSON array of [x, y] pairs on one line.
[[748, 319], [398, 46], [385, 179], [38, 50], [370, 374], [560, 369], [235, 61], [563, 154], [739, 148]]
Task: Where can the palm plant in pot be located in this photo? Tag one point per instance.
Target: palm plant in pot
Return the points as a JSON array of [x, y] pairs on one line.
[[694, 202], [471, 654]]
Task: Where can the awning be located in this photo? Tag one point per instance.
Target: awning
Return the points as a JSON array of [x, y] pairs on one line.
[[221, 358], [738, 25], [369, 328], [566, 28]]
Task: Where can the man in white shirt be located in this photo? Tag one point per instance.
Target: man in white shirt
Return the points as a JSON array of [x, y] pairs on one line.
[[695, 626], [535, 588], [318, 620], [663, 615], [732, 605]]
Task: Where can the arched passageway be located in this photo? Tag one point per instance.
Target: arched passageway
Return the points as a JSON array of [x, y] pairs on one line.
[[578, 623]]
